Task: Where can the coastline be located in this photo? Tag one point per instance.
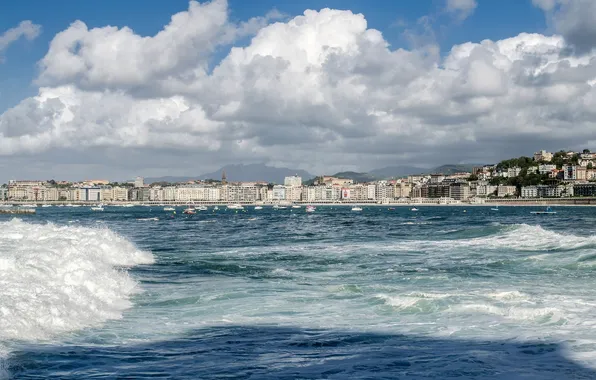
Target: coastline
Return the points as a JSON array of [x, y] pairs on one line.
[[568, 202]]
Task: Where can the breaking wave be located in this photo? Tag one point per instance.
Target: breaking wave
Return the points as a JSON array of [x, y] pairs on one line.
[[60, 279]]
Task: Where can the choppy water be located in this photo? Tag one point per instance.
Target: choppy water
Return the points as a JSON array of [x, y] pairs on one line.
[[434, 294]]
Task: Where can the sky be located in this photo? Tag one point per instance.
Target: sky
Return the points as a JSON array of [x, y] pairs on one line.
[[116, 89]]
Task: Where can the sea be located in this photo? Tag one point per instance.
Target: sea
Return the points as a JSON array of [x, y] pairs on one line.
[[386, 293]]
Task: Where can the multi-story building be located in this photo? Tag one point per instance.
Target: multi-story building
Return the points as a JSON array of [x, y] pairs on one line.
[[293, 181], [120, 193], [459, 191], [543, 156], [504, 191], [529, 192], [584, 189], [545, 191], [546, 169], [139, 182], [89, 194], [569, 172], [403, 190], [3, 193], [384, 191], [439, 190], [279, 193], [241, 193], [436, 178]]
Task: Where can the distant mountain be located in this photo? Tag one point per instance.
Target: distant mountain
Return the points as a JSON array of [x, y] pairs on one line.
[[256, 172], [356, 177], [169, 179], [451, 169], [397, 171]]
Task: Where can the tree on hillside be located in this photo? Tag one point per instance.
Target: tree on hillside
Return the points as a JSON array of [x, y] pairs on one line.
[[586, 151]]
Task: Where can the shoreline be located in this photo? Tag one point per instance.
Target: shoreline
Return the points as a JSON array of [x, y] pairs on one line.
[[501, 203]]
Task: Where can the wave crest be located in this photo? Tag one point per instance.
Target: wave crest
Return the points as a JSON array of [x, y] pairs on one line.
[[59, 279]]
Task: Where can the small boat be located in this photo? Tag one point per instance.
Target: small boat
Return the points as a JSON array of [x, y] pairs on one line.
[[496, 208], [29, 205], [296, 206], [310, 208], [46, 205], [235, 206], [97, 208], [413, 209], [215, 208], [547, 211], [356, 208], [202, 208], [169, 209], [189, 211], [258, 207]]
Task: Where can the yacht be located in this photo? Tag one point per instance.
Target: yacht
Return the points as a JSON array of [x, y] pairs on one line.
[[310, 208], [258, 207], [413, 209], [356, 208], [496, 208], [169, 209], [216, 208], [202, 208], [46, 205], [97, 208], [296, 206], [235, 206]]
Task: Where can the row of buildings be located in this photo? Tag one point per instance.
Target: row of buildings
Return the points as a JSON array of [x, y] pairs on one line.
[[567, 181]]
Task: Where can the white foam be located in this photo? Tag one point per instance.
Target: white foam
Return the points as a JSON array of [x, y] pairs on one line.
[[60, 279]]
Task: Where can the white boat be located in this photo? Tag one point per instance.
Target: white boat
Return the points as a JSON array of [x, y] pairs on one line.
[[413, 209], [258, 207], [189, 211], [356, 208], [202, 208], [29, 205], [235, 206], [169, 209], [547, 211], [46, 205], [296, 206], [496, 208], [128, 205], [216, 208], [97, 208], [310, 208]]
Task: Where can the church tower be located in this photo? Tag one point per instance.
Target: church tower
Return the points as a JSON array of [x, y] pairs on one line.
[[224, 180]]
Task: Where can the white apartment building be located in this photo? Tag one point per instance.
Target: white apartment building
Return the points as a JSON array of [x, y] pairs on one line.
[[503, 191], [241, 193], [293, 181], [279, 193], [483, 190], [139, 182], [546, 169], [569, 173], [294, 193], [371, 191]]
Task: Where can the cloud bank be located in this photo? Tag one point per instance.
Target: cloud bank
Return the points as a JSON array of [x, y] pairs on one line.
[[320, 91]]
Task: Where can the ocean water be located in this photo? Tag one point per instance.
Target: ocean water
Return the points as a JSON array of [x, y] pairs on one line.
[[445, 292]]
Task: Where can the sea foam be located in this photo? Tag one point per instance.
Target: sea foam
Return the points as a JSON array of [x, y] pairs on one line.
[[60, 279]]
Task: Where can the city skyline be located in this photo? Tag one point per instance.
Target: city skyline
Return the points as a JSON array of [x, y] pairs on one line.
[[322, 86]]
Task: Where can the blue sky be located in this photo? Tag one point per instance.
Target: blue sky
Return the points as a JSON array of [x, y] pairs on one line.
[[491, 20]]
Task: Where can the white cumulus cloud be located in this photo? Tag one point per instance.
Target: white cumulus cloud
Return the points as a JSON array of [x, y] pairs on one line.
[[321, 91]]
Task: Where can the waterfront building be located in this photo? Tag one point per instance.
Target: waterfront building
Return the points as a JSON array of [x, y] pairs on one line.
[[279, 193], [504, 191], [584, 189], [460, 191], [241, 193], [139, 182], [436, 178], [89, 194]]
